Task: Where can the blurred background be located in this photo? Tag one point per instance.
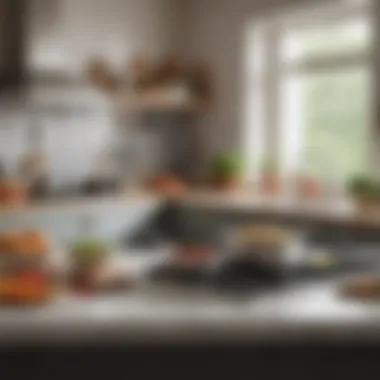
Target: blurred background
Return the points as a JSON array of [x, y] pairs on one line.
[[268, 85], [206, 148]]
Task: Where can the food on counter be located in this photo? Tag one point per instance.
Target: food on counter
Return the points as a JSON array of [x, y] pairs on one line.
[[323, 260], [12, 193], [362, 287], [262, 254], [28, 243], [25, 287], [191, 255], [112, 279], [24, 273], [269, 236], [188, 264], [168, 184]]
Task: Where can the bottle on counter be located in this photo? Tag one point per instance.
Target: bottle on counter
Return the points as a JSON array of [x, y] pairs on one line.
[[33, 165]]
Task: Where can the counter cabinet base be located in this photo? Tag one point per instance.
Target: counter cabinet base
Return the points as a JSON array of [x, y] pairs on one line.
[[181, 362]]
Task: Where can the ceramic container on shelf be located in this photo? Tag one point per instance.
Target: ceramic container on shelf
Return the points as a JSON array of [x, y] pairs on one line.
[[270, 184], [308, 188]]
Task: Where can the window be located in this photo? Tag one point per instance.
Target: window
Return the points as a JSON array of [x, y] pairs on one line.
[[309, 95]]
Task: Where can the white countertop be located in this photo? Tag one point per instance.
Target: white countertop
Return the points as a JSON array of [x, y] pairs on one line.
[[335, 211], [310, 312]]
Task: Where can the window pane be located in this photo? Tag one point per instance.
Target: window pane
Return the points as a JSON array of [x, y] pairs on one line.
[[331, 39], [335, 117]]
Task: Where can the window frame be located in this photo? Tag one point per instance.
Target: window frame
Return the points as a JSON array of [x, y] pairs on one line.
[[338, 11]]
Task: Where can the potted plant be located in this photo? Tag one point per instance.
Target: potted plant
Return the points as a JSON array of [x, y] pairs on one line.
[[365, 191], [226, 170], [87, 260], [308, 187], [269, 181]]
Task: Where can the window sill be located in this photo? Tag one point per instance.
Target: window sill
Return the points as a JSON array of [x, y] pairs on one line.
[[341, 211]]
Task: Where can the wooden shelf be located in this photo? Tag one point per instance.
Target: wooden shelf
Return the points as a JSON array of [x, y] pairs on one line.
[[82, 203], [159, 102], [341, 213], [334, 212]]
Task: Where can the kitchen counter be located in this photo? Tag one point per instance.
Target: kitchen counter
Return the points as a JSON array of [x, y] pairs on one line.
[[309, 312], [340, 212], [335, 211]]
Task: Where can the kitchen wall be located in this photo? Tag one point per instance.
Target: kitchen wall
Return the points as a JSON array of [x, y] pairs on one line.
[[61, 36], [215, 33], [65, 33], [114, 220]]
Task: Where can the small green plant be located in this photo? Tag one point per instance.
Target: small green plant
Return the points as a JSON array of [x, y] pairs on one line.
[[364, 186], [227, 165], [87, 251]]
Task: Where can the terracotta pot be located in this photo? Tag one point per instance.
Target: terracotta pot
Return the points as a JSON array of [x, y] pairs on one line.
[[83, 276], [12, 193], [227, 183], [26, 287], [269, 184], [308, 188], [169, 185], [367, 205]]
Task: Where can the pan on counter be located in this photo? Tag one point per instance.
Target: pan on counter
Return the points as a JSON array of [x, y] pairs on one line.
[[189, 264]]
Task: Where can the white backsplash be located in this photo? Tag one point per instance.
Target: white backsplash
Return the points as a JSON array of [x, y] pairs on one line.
[[79, 134], [74, 133]]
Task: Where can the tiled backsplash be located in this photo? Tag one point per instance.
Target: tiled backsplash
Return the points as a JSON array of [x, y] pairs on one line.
[[111, 219], [72, 133], [80, 137]]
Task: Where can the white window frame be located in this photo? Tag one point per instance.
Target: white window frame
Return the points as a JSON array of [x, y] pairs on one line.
[[256, 142]]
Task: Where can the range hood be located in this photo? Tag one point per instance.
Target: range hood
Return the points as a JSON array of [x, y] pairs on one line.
[[13, 43]]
